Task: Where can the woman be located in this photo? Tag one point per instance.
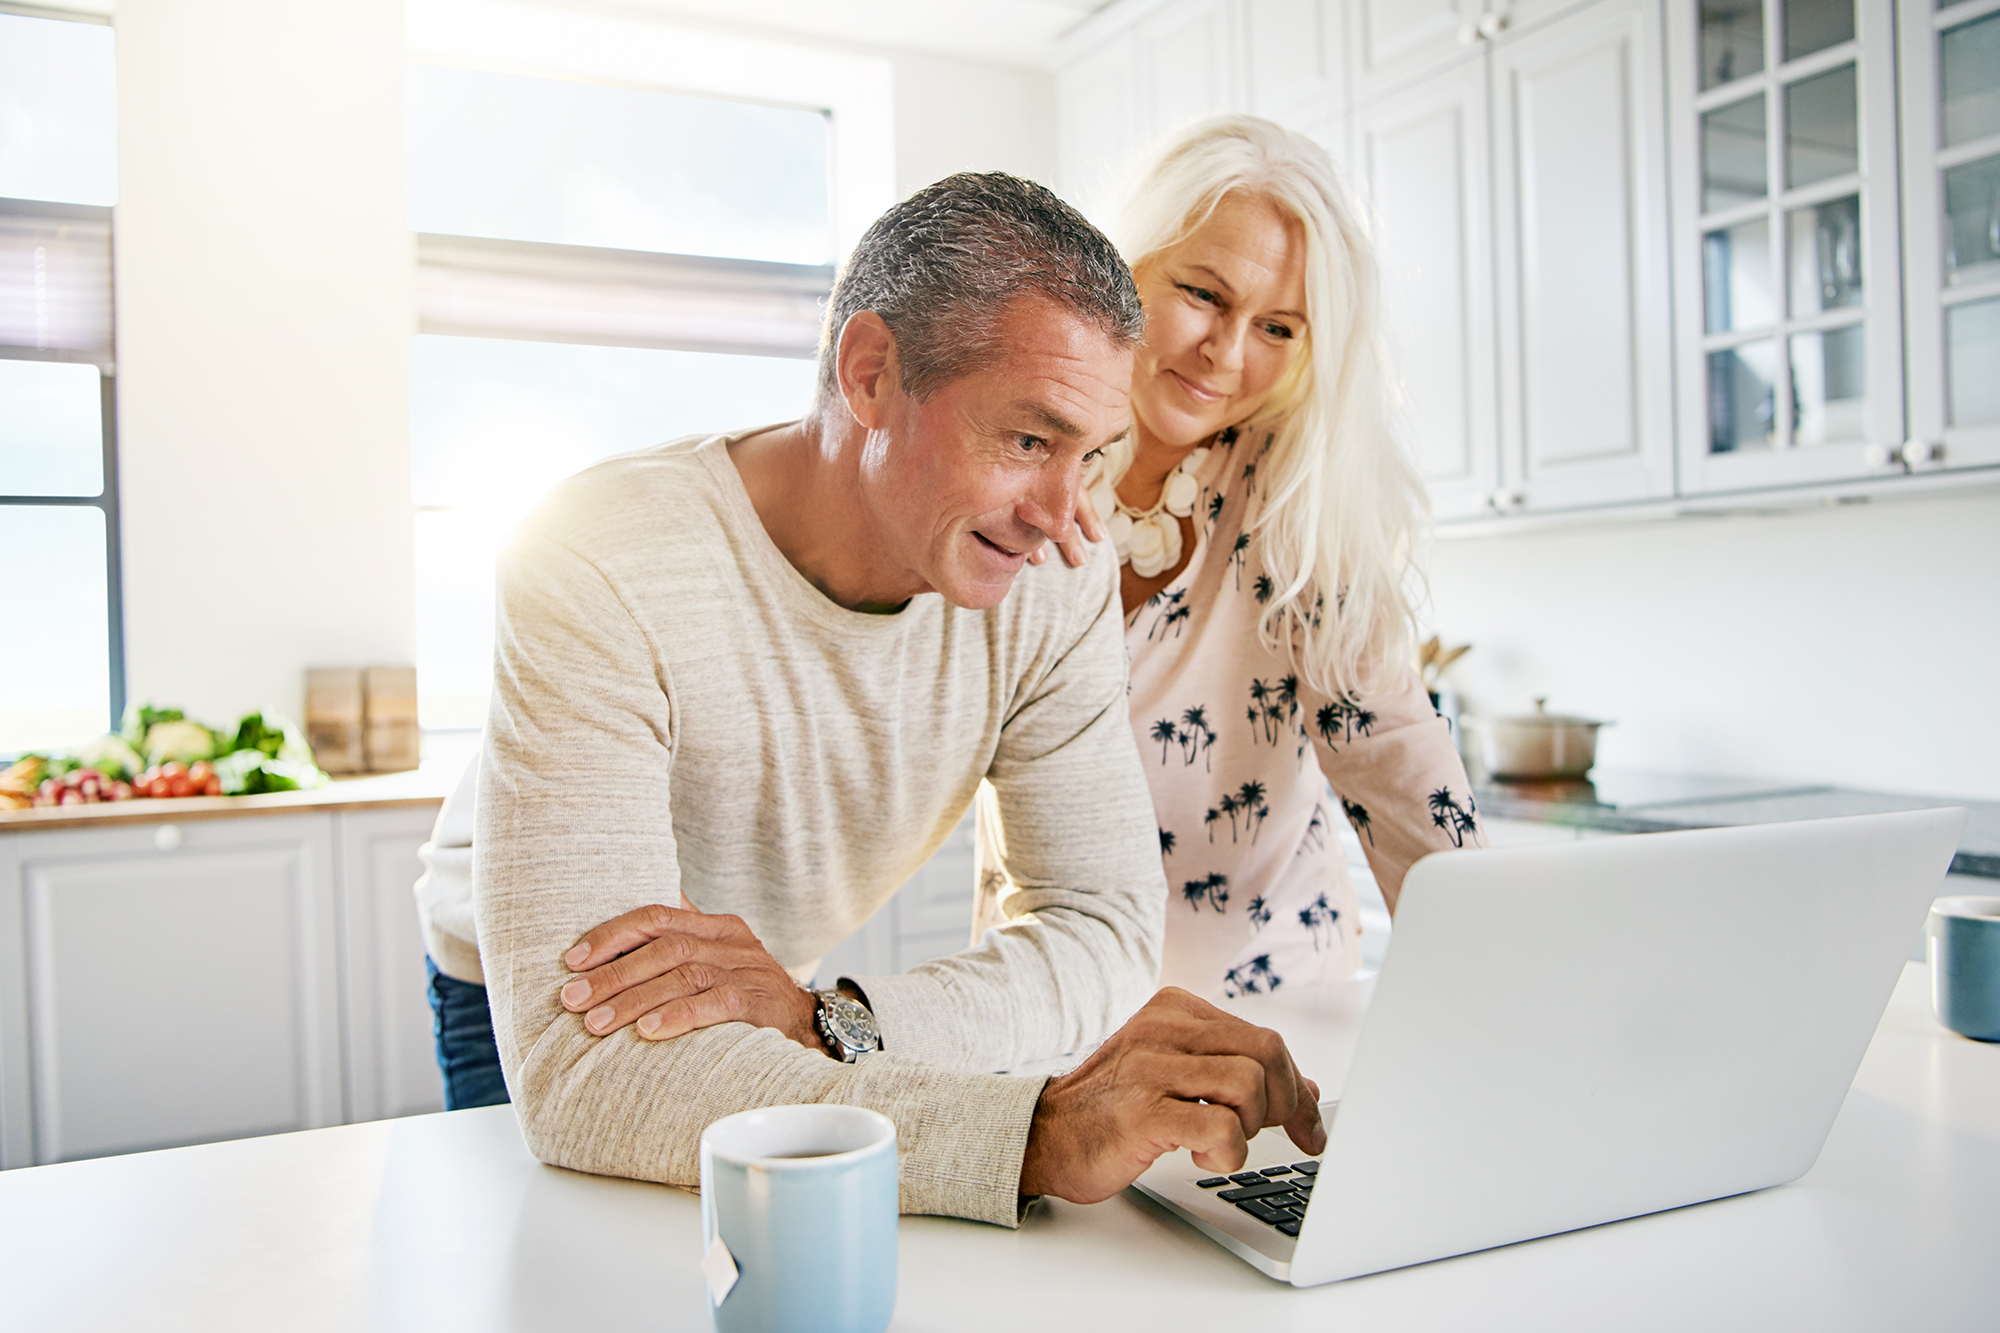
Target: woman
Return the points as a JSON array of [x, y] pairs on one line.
[[1264, 518]]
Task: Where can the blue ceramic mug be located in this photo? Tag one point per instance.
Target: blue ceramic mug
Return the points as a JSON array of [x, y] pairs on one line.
[[1962, 943], [798, 1220]]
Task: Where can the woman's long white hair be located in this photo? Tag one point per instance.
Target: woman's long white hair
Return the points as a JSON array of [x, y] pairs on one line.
[[1342, 508]]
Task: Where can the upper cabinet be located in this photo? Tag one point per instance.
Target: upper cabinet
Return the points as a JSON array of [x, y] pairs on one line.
[[1579, 217], [1188, 64], [1420, 156], [1786, 241], [1951, 207], [1178, 63], [1097, 119], [1392, 42], [1292, 59], [1632, 250]]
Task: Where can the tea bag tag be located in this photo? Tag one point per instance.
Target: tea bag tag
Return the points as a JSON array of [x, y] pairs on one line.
[[719, 1266]]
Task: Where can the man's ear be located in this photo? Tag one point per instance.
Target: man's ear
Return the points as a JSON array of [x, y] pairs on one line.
[[866, 369]]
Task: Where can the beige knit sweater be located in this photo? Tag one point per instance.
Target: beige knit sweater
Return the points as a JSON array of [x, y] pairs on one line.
[[678, 713]]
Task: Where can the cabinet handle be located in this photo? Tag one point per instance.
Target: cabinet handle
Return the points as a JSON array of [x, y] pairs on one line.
[[1491, 25], [1917, 453], [1877, 455], [1506, 500], [167, 837]]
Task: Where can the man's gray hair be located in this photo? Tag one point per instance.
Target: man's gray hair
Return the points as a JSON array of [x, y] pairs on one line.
[[941, 267]]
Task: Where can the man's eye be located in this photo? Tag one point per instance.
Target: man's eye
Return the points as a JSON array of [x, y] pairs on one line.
[[1092, 456], [1029, 443]]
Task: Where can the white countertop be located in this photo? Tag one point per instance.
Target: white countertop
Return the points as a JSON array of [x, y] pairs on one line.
[[444, 1222]]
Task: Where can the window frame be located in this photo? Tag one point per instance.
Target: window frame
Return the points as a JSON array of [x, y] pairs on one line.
[[106, 500]]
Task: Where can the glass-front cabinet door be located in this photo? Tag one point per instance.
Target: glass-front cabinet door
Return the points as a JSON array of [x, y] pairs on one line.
[[1951, 201], [1788, 277]]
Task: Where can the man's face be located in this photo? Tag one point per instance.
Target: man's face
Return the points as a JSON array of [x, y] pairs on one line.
[[961, 487]]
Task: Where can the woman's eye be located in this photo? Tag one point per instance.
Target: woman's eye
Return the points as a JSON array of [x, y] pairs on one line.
[[1278, 330], [1199, 293]]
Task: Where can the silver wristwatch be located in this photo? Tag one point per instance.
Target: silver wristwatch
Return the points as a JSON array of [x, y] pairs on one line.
[[845, 1026]]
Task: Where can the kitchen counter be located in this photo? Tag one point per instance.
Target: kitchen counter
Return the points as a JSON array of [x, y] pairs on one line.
[[426, 785], [1636, 801], [445, 1222]]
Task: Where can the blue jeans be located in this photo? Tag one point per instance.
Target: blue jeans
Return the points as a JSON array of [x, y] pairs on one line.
[[466, 1055]]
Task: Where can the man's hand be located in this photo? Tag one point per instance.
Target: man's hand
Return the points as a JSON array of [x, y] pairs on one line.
[[672, 970], [1089, 527], [1180, 1074]]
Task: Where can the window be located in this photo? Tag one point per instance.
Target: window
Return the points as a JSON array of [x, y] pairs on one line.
[[600, 268], [62, 678]]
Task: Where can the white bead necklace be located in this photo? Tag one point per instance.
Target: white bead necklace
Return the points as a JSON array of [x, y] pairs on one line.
[[1150, 540]]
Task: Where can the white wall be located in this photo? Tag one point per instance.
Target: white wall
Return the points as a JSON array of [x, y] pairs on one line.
[[264, 306], [1854, 645]]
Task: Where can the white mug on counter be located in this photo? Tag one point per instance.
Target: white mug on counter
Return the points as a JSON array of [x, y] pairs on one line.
[[798, 1220]]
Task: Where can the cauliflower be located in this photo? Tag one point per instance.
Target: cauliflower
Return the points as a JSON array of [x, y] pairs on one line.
[[111, 756], [183, 741]]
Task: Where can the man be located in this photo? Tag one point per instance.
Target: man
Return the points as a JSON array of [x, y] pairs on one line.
[[763, 674]]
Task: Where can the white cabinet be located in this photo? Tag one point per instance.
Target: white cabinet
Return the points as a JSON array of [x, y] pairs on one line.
[[390, 1051], [1293, 59], [1633, 249], [170, 984], [1522, 228], [1392, 42], [1951, 207], [1188, 65], [1097, 116], [1178, 63], [1421, 155], [1786, 244], [1514, 156], [1586, 368], [181, 982]]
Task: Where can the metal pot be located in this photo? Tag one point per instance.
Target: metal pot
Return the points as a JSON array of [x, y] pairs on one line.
[[1536, 745]]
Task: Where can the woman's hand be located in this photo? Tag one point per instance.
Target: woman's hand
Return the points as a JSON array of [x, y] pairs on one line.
[[1088, 527]]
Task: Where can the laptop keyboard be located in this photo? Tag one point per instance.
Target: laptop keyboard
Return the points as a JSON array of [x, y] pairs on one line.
[[1276, 1196]]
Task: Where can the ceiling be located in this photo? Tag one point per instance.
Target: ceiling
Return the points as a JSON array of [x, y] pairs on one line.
[[1008, 32]]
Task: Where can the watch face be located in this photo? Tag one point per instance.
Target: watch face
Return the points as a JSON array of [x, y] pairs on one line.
[[852, 1025]]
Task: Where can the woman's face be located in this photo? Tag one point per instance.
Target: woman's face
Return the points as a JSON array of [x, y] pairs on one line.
[[1225, 316]]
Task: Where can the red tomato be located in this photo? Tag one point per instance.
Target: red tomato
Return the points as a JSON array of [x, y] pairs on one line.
[[213, 787], [173, 768], [179, 784]]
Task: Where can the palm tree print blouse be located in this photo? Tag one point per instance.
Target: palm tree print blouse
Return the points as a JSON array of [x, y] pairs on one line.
[[1235, 745]]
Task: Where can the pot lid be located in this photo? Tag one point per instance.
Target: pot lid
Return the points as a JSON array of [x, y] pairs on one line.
[[1544, 718]]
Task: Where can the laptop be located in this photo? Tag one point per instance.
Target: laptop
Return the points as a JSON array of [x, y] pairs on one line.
[[1574, 1033]]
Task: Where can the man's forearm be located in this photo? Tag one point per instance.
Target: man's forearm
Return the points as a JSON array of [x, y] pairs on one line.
[[622, 1106]]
